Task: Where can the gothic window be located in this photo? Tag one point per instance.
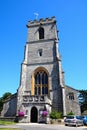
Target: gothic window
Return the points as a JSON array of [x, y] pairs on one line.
[[41, 83], [71, 96], [41, 33]]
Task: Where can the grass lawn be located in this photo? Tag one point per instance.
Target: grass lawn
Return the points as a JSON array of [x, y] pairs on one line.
[[2, 122], [10, 129], [8, 123]]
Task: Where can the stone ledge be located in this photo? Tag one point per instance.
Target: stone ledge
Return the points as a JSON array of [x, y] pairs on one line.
[[57, 121]]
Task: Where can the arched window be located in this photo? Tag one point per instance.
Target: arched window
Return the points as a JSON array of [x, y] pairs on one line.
[[41, 33], [41, 83]]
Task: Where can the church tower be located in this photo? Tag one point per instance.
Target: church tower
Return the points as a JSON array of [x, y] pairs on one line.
[[42, 88], [41, 84]]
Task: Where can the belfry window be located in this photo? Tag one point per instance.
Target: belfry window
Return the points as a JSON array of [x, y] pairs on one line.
[[71, 96], [41, 33], [41, 83]]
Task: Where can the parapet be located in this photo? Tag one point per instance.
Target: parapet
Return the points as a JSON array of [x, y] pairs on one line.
[[41, 21]]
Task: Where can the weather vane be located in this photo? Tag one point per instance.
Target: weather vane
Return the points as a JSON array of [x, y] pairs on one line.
[[36, 15]]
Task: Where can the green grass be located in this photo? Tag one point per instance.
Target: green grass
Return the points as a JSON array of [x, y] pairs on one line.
[[2, 122], [9, 129]]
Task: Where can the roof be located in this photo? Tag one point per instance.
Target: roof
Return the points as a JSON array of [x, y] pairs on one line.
[[71, 88]]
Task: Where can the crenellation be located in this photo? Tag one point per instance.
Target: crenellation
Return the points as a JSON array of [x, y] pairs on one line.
[[41, 21]]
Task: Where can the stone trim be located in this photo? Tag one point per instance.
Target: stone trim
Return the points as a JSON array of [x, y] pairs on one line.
[[41, 41], [38, 64]]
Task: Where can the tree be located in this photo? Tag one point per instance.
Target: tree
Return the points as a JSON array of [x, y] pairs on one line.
[[3, 98], [1, 104], [6, 95], [83, 100]]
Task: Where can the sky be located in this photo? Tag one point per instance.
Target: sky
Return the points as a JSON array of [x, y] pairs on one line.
[[71, 16]]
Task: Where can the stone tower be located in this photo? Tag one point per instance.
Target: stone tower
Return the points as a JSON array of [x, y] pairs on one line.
[[41, 85]]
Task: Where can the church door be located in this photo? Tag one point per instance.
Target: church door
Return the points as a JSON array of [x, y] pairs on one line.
[[34, 115]]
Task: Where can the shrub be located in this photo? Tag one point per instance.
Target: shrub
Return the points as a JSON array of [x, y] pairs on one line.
[[70, 113], [55, 115]]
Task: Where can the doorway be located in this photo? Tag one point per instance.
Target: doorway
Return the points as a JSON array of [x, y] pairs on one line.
[[34, 115]]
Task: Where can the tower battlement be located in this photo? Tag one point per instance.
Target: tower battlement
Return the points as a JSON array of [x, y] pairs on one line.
[[41, 21]]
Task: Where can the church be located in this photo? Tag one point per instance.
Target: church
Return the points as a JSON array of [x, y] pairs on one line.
[[42, 86]]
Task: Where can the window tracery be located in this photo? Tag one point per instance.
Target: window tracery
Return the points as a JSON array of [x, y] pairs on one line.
[[41, 83]]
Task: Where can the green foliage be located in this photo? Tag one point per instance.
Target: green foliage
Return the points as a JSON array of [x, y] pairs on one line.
[[1, 104], [10, 129], [83, 100], [70, 113], [6, 95], [3, 122], [3, 98], [55, 115]]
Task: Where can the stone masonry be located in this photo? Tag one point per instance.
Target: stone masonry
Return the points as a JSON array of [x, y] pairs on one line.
[[42, 85]]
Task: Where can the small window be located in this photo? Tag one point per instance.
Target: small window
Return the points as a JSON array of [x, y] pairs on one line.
[[71, 96], [41, 33], [40, 52]]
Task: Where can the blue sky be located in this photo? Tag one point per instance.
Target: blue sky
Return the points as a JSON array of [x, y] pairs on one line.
[[71, 16]]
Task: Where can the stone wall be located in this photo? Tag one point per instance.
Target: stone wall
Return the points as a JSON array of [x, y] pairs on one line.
[[49, 26], [72, 103], [10, 106]]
